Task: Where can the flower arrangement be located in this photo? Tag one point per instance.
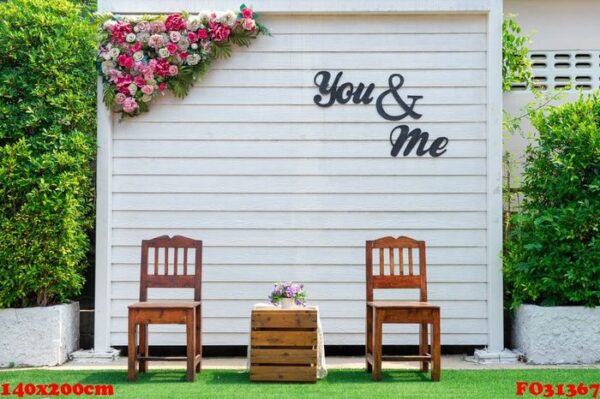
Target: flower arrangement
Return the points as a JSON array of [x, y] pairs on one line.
[[288, 290], [139, 58]]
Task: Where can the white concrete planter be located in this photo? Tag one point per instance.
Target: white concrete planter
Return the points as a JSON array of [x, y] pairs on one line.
[[557, 335], [40, 336]]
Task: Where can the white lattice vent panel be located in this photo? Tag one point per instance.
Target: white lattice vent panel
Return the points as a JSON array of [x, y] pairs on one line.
[[559, 69]]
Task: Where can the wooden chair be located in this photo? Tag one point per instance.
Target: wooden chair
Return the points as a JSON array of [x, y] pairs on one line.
[[380, 312], [165, 275]]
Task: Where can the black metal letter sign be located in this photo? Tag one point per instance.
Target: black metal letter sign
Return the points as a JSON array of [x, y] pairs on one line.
[[401, 137]]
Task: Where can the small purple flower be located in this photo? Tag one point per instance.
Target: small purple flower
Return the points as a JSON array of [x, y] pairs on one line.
[[288, 290]]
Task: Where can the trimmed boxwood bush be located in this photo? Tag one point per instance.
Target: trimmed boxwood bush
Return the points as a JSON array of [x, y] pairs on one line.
[[47, 130], [552, 255]]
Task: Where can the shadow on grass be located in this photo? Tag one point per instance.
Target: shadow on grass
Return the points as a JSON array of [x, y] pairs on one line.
[[334, 377], [152, 377], [237, 377]]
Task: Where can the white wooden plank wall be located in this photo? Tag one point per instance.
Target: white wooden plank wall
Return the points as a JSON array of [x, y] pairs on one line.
[[279, 188]]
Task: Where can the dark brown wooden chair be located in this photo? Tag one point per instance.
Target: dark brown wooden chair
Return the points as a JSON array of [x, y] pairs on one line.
[[380, 312], [165, 275]]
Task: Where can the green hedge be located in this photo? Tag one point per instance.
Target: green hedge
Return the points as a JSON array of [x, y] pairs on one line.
[[552, 255], [47, 129]]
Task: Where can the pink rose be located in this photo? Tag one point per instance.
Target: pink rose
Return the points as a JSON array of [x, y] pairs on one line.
[[249, 24], [115, 75], [172, 48], [119, 98], [157, 27], [219, 32], [129, 105], [125, 61], [139, 81], [192, 37], [202, 34], [247, 13], [173, 70], [147, 90], [175, 22], [123, 83], [183, 55], [148, 75]]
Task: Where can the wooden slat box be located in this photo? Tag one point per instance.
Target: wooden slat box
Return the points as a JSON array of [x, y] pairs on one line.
[[283, 345]]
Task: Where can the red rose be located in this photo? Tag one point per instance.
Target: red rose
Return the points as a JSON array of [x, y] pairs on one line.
[[162, 86], [175, 22], [183, 55], [192, 37], [120, 31], [247, 12], [162, 67], [202, 34], [139, 81], [172, 48], [125, 61], [136, 47]]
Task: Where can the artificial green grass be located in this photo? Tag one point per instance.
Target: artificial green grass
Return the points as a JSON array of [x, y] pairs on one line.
[[171, 384]]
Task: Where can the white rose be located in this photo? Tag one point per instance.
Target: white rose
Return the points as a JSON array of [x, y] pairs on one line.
[[146, 98], [151, 82], [193, 24], [130, 37], [132, 88], [114, 52], [109, 24], [143, 37], [183, 44], [193, 59], [163, 53], [107, 66], [194, 46], [204, 16], [174, 36], [229, 18], [138, 56]]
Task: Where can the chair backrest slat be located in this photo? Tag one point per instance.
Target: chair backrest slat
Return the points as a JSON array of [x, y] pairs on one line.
[[400, 279], [174, 280], [401, 261], [185, 261], [156, 261]]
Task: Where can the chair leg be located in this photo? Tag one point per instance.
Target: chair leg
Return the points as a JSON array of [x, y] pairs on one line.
[[199, 337], [436, 349], [377, 344], [131, 348], [369, 338], [144, 347], [423, 345], [190, 329]]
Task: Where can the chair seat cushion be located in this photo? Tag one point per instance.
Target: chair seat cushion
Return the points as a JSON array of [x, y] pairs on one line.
[[165, 305], [401, 305]]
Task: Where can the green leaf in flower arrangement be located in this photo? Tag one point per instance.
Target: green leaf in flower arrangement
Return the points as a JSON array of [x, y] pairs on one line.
[[220, 50], [242, 38], [109, 95]]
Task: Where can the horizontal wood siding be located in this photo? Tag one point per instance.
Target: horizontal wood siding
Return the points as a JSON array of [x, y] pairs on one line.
[[280, 189]]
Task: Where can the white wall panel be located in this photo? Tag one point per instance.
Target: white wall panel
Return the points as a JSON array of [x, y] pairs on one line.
[[279, 188]]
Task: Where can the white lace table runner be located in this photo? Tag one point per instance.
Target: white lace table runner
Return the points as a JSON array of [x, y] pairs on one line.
[[321, 366]]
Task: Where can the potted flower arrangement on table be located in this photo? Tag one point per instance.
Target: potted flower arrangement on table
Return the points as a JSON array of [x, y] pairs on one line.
[[288, 295]]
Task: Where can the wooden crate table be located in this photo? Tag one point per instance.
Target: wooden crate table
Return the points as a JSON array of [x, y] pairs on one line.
[[284, 344]]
